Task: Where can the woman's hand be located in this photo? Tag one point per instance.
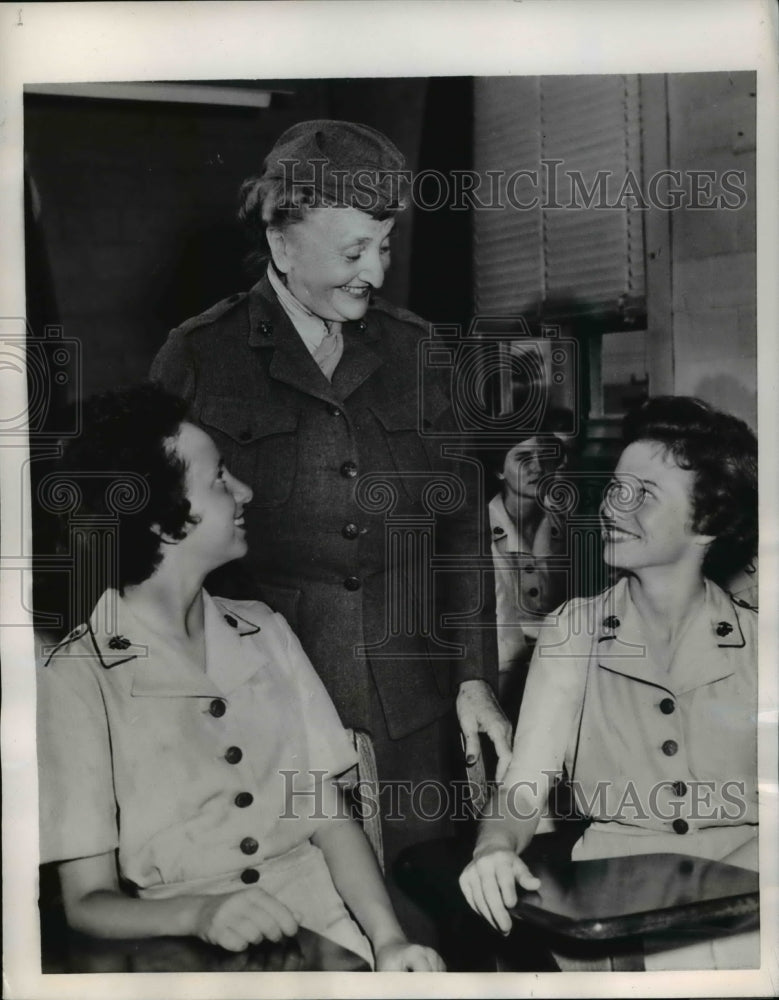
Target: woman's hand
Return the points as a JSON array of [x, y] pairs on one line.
[[479, 712], [489, 883], [400, 956], [235, 920]]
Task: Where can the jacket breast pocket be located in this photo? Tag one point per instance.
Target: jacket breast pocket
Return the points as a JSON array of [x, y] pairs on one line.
[[258, 447]]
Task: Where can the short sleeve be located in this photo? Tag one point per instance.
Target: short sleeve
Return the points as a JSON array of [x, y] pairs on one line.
[[329, 745], [76, 795]]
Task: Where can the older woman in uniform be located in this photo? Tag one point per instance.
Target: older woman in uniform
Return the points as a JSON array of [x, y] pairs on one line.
[[169, 724], [309, 384], [648, 692]]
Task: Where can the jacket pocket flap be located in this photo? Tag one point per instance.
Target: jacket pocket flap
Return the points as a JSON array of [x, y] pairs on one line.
[[239, 419]]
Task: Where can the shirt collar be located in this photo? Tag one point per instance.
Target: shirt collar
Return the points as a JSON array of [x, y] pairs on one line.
[[119, 637], [504, 534], [701, 655], [312, 328]]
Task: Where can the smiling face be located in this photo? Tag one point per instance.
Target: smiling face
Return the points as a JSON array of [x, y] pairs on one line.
[[647, 515], [216, 500], [526, 464], [333, 259]]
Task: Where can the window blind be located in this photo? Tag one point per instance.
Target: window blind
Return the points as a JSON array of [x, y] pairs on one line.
[[567, 237]]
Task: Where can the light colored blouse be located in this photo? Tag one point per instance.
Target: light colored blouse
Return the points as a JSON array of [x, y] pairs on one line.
[[661, 759], [204, 782]]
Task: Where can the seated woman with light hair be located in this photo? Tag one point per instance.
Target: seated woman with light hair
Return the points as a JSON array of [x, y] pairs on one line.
[[185, 742], [647, 693]]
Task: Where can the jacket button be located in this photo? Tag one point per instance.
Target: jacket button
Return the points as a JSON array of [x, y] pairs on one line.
[[362, 326], [724, 628], [679, 788], [667, 706], [350, 530], [249, 845], [680, 826], [244, 799], [233, 755], [250, 876], [333, 410], [352, 583], [217, 708], [670, 747], [245, 434], [349, 470]]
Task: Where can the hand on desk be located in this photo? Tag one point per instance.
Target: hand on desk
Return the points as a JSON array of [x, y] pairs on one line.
[[489, 883], [479, 712], [235, 920], [405, 957]]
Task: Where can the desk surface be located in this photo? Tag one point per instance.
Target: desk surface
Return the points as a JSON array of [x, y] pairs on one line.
[[621, 897], [601, 900], [306, 952]]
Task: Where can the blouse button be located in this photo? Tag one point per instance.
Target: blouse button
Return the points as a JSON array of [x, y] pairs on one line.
[[217, 708], [244, 799], [680, 826], [349, 470], [679, 788], [233, 755], [667, 706], [250, 876], [249, 845], [670, 747]]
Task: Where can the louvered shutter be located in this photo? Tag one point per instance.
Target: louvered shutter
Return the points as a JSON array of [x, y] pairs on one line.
[[560, 258]]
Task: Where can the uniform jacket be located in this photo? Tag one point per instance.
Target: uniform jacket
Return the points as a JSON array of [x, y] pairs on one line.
[[336, 468]]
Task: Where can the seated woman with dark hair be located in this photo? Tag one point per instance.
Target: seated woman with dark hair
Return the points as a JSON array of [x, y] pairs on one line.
[[647, 694], [189, 733]]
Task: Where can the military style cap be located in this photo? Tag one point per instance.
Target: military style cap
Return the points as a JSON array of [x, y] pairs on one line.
[[346, 163]]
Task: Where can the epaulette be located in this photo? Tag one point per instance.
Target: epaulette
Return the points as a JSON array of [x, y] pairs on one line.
[[404, 315], [72, 636], [211, 315]]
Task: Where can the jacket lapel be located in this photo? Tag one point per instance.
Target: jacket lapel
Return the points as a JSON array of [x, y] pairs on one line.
[[291, 362]]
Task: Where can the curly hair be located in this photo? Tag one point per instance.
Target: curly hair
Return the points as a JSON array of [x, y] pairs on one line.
[[721, 451], [121, 467]]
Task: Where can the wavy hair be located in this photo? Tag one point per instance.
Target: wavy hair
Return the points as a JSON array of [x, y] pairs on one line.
[[125, 440], [721, 451]]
